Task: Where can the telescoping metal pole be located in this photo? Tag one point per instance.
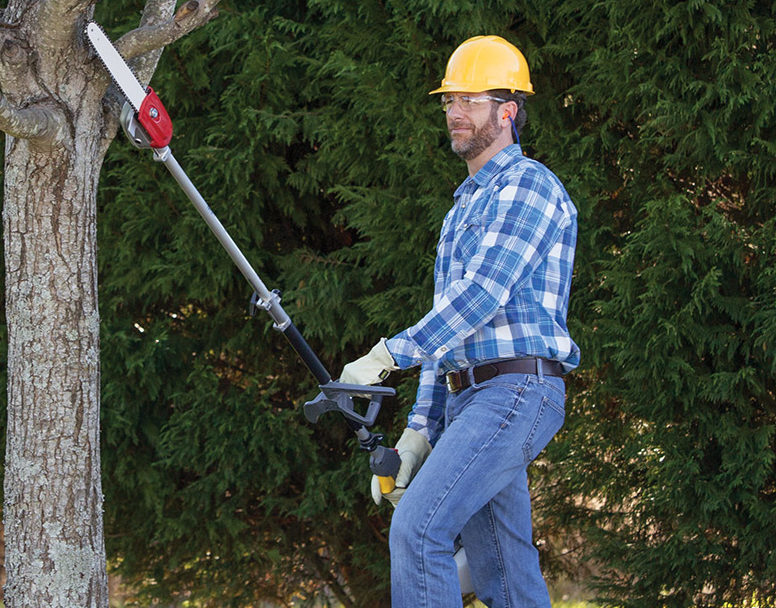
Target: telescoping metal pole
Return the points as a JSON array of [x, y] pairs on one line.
[[268, 300], [383, 461], [334, 396]]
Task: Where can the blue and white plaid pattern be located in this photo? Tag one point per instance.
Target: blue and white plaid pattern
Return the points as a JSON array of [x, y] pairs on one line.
[[501, 280]]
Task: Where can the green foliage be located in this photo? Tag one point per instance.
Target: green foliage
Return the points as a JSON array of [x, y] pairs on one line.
[[308, 128], [668, 461]]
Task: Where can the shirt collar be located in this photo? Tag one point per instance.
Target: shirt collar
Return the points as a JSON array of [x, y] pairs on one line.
[[502, 159], [496, 164]]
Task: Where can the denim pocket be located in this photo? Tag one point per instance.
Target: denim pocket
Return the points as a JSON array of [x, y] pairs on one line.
[[500, 397], [549, 420]]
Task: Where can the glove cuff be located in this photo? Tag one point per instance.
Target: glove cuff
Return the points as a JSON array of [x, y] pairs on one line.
[[384, 356]]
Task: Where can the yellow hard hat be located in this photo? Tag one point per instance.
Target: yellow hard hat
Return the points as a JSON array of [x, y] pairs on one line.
[[484, 63]]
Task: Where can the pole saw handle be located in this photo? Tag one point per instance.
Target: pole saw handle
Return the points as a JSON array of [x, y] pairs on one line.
[[385, 462], [338, 397]]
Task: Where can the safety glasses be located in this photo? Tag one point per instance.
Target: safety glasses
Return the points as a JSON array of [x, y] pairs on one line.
[[466, 102]]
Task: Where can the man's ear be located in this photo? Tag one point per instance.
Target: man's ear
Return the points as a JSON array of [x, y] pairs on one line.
[[508, 110]]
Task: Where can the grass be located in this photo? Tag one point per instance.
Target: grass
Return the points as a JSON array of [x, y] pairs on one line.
[[559, 604]]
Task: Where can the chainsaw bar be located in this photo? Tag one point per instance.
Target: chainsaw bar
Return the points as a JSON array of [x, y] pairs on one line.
[[118, 69], [150, 112]]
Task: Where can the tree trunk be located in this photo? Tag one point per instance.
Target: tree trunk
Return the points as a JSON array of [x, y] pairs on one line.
[[58, 124], [53, 496], [55, 551]]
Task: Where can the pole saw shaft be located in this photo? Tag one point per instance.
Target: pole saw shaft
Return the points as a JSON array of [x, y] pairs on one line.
[[334, 396], [266, 299], [384, 462]]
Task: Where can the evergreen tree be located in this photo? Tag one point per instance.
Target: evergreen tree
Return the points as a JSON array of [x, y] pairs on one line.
[[672, 437]]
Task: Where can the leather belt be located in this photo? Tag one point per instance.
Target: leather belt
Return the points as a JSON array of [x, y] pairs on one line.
[[462, 379]]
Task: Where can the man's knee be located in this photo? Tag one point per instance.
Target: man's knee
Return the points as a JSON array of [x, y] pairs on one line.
[[414, 532], [404, 534]]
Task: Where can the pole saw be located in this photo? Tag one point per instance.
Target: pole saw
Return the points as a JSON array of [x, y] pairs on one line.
[[147, 124]]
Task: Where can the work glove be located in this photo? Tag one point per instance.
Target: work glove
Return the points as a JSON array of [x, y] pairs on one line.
[[413, 449], [372, 368]]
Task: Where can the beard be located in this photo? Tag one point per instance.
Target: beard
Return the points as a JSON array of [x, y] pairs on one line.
[[480, 138]]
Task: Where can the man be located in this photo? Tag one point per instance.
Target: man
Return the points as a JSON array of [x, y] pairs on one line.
[[492, 351]]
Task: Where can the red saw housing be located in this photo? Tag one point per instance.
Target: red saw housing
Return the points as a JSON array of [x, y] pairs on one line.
[[155, 120]]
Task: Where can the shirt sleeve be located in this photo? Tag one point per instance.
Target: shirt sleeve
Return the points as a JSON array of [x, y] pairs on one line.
[[514, 240], [427, 414]]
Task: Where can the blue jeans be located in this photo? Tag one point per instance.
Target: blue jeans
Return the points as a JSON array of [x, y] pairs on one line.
[[474, 484]]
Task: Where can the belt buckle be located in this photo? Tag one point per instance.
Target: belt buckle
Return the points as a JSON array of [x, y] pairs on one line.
[[452, 386]]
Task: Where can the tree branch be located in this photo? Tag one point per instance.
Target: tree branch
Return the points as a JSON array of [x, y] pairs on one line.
[[34, 122], [57, 17], [156, 11], [159, 26], [145, 38]]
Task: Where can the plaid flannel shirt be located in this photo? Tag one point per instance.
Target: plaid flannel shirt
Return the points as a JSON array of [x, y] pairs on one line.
[[501, 281]]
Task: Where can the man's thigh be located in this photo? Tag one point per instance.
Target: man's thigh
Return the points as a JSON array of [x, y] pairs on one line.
[[493, 431]]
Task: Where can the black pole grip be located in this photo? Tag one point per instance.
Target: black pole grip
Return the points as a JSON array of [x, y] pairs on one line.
[[302, 348], [385, 462]]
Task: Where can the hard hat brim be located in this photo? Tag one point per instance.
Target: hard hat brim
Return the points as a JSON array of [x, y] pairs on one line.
[[453, 88]]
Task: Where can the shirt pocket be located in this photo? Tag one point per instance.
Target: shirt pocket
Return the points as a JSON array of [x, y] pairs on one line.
[[467, 239]]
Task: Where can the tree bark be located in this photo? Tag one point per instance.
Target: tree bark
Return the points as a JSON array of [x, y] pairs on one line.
[[53, 496], [57, 132], [55, 554]]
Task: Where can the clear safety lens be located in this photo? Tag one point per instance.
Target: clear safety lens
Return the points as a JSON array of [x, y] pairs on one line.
[[467, 103]]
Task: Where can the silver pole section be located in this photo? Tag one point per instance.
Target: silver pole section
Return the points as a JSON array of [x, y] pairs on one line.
[[269, 300]]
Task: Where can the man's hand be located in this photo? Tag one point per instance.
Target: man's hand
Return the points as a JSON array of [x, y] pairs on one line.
[[413, 450], [372, 368]]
